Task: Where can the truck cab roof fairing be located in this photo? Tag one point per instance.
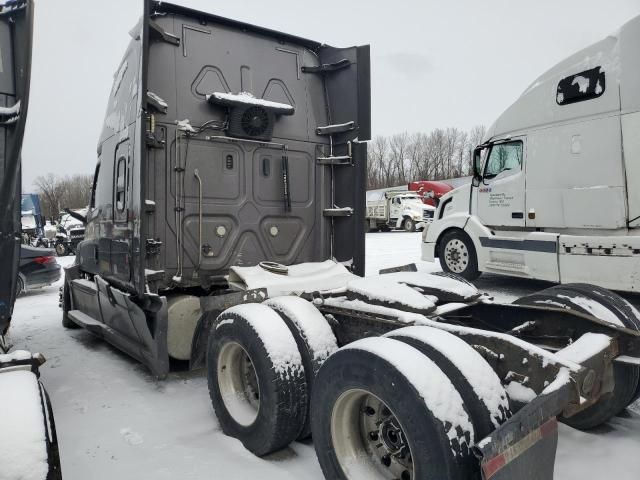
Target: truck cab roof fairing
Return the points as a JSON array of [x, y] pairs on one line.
[[538, 107], [180, 73]]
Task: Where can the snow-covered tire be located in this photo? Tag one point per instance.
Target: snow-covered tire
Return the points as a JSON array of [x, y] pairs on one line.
[[256, 378], [312, 334], [458, 255], [383, 410], [30, 446], [53, 451], [480, 388], [607, 306], [65, 304], [408, 225]]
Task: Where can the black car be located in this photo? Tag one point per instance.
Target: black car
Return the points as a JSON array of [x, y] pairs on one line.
[[38, 268]]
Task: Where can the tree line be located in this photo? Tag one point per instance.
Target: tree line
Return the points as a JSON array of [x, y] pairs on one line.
[[405, 157], [57, 193]]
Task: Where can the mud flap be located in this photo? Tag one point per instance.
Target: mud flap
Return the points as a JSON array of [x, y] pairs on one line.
[[141, 333], [16, 34], [524, 447]]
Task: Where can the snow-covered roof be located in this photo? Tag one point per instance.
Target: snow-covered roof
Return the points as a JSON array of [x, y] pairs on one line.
[[246, 98], [540, 104]]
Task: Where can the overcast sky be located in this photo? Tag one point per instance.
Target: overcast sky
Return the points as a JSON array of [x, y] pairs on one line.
[[435, 63]]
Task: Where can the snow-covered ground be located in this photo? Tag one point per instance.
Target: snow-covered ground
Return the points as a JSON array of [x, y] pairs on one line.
[[115, 421]]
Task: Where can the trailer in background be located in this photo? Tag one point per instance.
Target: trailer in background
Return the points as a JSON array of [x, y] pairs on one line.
[[32, 221]]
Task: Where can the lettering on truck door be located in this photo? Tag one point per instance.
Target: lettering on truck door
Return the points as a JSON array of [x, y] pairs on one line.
[[501, 195]]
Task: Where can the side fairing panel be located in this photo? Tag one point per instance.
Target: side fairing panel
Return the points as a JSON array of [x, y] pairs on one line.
[[111, 246]]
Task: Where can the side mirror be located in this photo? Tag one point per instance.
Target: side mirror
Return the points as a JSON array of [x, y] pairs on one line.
[[477, 166]]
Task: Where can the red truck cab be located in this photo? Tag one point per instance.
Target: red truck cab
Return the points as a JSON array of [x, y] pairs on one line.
[[423, 187]]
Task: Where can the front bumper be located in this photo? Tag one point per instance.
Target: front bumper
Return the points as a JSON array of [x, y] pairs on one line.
[[428, 251]]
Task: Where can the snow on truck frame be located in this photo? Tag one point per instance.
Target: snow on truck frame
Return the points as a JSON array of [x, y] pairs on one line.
[[556, 191], [235, 241]]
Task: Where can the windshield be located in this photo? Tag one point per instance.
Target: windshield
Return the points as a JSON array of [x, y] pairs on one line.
[[408, 201]]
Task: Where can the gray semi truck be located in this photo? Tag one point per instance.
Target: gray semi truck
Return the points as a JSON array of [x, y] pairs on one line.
[[226, 229]]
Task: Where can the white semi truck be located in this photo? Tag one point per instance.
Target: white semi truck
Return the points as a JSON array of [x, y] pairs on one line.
[[556, 193], [396, 209]]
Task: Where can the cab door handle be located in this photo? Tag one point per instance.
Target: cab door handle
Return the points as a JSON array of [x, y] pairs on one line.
[[517, 215]]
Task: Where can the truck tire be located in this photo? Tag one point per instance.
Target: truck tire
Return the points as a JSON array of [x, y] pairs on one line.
[[458, 255], [53, 451], [621, 308], [607, 306], [20, 289], [376, 415], [313, 335], [61, 249], [256, 378], [33, 448], [476, 382], [408, 225], [65, 304]]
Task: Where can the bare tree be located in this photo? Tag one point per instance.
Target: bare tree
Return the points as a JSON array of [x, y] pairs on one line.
[[399, 146], [57, 193], [436, 155]]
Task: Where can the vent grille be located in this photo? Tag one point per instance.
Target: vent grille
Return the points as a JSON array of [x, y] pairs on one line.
[[255, 121]]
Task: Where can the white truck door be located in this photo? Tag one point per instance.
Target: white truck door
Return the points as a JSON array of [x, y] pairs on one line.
[[501, 194], [395, 209]]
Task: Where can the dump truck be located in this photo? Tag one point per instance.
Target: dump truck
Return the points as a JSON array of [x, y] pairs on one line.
[[554, 194], [28, 442], [226, 230], [402, 209]]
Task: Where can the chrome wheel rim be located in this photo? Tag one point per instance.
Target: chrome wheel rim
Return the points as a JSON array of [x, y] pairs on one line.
[[368, 440], [456, 255], [238, 383]]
